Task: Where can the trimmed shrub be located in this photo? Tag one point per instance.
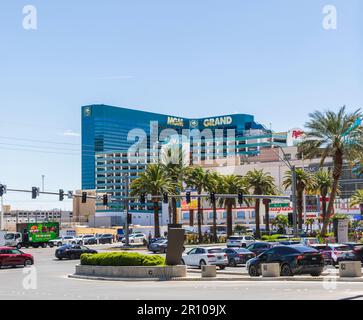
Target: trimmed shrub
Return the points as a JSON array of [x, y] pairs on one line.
[[122, 259]]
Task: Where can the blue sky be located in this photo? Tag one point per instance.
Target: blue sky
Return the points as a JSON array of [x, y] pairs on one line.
[[190, 58]]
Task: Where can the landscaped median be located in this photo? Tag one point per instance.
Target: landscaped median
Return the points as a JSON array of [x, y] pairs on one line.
[[127, 265]]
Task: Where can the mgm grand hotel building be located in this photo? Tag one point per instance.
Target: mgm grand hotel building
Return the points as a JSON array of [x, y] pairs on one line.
[[110, 134]]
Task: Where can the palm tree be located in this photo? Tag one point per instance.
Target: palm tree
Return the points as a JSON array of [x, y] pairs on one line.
[[357, 198], [309, 222], [196, 178], [174, 164], [154, 181], [261, 183], [304, 181], [231, 184], [214, 185], [323, 186], [337, 135]]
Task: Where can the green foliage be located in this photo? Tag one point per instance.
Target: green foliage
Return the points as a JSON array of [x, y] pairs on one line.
[[122, 259], [357, 198]]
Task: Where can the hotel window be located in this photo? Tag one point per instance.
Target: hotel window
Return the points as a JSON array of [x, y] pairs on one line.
[[185, 215], [224, 215], [241, 215]]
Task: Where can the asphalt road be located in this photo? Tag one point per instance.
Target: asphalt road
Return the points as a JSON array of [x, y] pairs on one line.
[[49, 281]]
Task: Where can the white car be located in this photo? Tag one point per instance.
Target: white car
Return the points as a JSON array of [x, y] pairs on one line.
[[136, 238], [60, 241], [199, 256], [240, 241], [86, 239]]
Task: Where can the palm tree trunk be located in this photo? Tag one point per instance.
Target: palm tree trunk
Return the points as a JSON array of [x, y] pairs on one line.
[[156, 220], [175, 214], [191, 218], [300, 208], [229, 219], [325, 215], [337, 172], [200, 236], [267, 216], [257, 218], [214, 222]]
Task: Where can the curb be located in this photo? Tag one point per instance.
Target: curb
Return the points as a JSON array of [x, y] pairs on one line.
[[242, 279]]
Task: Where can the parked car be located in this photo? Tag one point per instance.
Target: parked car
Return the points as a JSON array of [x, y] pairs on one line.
[[86, 239], [309, 241], [72, 251], [240, 241], [238, 256], [62, 240], [152, 240], [340, 252], [289, 242], [260, 247], [159, 246], [357, 249], [104, 238], [14, 257], [200, 256], [324, 250], [293, 260], [136, 238]]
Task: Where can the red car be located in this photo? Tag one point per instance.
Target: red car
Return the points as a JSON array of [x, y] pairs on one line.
[[13, 257]]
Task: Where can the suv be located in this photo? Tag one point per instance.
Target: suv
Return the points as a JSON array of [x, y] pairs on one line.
[[86, 239], [240, 241], [137, 238], [259, 247], [105, 238], [63, 240], [200, 256]]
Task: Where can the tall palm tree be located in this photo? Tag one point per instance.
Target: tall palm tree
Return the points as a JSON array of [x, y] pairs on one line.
[[174, 164], [323, 186], [261, 183], [214, 185], [154, 181], [304, 181], [357, 198], [231, 184], [196, 178], [337, 135]]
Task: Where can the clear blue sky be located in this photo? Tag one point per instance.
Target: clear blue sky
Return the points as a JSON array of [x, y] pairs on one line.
[[270, 58]]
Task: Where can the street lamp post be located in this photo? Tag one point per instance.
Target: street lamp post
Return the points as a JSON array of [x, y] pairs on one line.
[[127, 210]]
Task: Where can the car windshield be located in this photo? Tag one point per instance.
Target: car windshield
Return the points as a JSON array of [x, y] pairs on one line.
[[341, 248], [235, 238], [9, 236], [242, 250], [215, 250]]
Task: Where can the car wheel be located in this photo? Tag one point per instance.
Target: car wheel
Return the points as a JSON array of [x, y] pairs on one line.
[[44, 245], [18, 246], [252, 271], [315, 274], [27, 263], [244, 245], [232, 263], [60, 258], [201, 264], [59, 244], [51, 245], [73, 242], [80, 242], [286, 271], [222, 267], [162, 250]]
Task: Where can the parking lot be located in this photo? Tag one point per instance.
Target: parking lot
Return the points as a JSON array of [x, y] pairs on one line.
[[50, 281]]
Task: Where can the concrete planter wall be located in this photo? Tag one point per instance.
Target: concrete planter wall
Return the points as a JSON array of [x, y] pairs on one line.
[[163, 272]]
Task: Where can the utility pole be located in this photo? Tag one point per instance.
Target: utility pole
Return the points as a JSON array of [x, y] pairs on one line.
[[2, 224], [294, 202], [127, 210]]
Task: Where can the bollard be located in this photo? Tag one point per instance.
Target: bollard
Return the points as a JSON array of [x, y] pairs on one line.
[[270, 270], [350, 269], [209, 271]]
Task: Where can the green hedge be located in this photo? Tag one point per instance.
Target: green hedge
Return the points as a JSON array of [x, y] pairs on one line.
[[121, 259]]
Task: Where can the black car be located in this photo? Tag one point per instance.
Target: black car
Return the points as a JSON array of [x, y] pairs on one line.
[[259, 247], [293, 260], [238, 256], [72, 251], [105, 238], [357, 249], [153, 240]]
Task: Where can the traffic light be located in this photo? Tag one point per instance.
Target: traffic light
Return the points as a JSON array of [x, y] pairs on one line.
[[291, 220], [188, 197], [143, 198], [129, 218], [61, 195], [35, 192], [165, 198], [213, 197], [240, 198], [2, 190], [105, 200], [84, 197]]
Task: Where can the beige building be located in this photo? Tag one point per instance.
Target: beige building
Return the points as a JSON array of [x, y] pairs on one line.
[[84, 212]]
